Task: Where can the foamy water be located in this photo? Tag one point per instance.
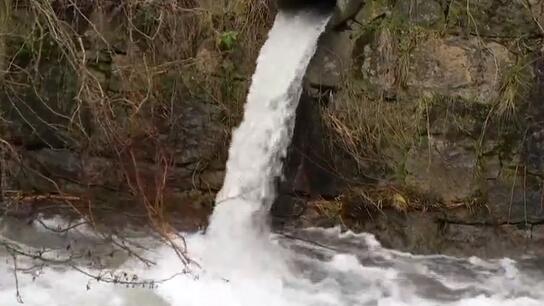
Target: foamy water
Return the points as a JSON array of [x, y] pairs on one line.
[[238, 261], [326, 267]]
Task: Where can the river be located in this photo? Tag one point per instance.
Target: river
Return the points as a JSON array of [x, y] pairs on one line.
[[306, 267]]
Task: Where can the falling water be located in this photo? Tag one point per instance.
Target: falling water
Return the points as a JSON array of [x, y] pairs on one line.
[[260, 142]]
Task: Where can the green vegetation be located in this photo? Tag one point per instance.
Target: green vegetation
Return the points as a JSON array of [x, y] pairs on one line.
[[227, 40]]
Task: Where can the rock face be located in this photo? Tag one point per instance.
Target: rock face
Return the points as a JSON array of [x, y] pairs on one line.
[[434, 101]]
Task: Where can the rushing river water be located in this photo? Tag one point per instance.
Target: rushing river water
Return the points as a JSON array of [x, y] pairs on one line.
[[324, 267]]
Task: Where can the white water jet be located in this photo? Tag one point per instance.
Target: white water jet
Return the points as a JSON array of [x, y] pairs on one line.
[[259, 144]]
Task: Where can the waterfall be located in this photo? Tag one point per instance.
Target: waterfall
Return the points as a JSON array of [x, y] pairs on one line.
[[238, 262], [260, 143]]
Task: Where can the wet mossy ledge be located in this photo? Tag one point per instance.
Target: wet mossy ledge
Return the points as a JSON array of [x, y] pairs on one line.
[[421, 121]]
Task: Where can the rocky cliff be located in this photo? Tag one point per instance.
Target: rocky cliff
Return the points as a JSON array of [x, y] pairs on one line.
[[434, 113], [422, 121]]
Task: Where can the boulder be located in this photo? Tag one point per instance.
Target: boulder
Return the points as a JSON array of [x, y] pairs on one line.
[[332, 59], [345, 10]]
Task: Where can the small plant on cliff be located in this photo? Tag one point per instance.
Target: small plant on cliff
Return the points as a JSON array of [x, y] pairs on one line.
[[228, 40], [515, 85]]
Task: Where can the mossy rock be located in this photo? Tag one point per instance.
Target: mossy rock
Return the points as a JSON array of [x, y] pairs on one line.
[[499, 19]]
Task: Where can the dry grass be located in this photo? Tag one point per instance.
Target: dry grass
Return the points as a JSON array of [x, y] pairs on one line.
[[360, 127], [151, 50], [368, 141], [515, 86], [374, 121], [362, 202]]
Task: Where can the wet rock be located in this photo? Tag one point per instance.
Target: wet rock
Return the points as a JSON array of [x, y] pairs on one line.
[[420, 55], [52, 171], [288, 208], [417, 232], [321, 6], [307, 166], [334, 55], [306, 172], [422, 233], [427, 232], [345, 10]]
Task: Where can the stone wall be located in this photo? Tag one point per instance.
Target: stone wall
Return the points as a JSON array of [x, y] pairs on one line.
[[440, 103]]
